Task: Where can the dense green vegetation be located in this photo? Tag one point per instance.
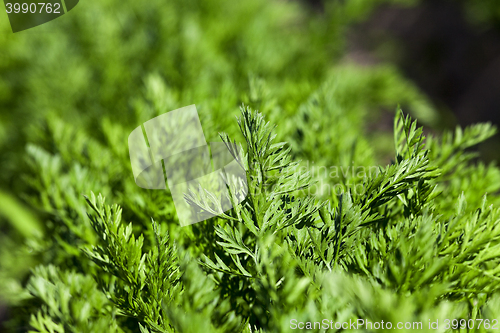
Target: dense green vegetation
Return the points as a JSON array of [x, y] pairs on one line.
[[409, 233]]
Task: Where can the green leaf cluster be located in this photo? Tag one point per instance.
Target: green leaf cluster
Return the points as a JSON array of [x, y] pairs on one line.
[[420, 242]]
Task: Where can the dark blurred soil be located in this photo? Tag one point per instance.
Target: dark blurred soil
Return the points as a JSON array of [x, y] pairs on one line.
[[451, 58]]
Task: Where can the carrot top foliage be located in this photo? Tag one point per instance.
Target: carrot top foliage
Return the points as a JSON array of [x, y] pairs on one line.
[[393, 253], [407, 231]]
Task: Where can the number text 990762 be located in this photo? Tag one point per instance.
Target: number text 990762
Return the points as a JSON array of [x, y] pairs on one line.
[[33, 8]]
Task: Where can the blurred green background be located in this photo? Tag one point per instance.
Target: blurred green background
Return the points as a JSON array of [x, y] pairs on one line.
[[329, 73]]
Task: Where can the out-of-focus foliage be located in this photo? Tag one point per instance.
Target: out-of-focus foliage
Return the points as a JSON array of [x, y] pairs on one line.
[[483, 13], [419, 242]]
